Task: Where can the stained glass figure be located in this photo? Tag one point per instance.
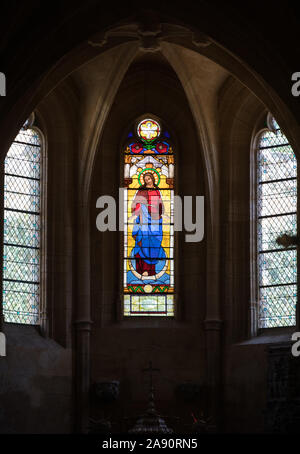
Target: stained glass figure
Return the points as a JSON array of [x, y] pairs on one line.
[[276, 215], [149, 223], [21, 256]]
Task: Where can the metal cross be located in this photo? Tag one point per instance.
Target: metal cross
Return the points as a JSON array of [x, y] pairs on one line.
[[151, 370]]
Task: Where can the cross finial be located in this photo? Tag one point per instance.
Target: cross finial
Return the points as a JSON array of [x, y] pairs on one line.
[[150, 369]]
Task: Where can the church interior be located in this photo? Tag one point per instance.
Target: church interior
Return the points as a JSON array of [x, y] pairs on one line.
[[85, 351]]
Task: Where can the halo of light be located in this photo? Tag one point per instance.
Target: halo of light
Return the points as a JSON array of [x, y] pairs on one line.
[[148, 170]]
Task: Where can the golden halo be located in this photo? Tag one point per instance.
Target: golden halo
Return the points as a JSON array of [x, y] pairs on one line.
[[148, 170]]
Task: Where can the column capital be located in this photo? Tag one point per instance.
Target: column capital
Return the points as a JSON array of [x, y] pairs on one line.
[[83, 325]]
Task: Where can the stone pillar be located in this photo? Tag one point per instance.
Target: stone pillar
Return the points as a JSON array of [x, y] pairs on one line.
[[82, 375], [213, 321], [212, 330], [82, 323]]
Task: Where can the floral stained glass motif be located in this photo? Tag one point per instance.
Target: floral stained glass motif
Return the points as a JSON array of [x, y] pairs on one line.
[[148, 281], [21, 259], [276, 215]]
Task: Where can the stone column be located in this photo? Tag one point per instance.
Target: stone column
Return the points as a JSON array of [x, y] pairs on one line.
[[212, 330], [213, 322], [82, 374], [82, 324]]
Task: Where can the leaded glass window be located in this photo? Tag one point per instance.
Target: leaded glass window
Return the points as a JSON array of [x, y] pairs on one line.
[[276, 215], [21, 252], [148, 282]]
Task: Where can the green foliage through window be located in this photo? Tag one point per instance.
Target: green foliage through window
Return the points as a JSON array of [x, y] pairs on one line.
[[21, 252], [276, 215]]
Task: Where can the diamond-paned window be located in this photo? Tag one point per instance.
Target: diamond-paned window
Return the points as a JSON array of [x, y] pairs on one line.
[[21, 252], [276, 215]]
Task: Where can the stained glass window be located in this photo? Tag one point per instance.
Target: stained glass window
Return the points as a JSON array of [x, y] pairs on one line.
[[149, 222], [21, 252], [276, 215]]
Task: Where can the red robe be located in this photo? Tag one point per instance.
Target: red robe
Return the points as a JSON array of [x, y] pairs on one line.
[[155, 206]]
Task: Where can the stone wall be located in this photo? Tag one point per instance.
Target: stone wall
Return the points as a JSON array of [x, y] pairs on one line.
[[35, 383]]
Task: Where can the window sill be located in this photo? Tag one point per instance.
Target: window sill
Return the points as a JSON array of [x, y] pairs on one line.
[[271, 336]]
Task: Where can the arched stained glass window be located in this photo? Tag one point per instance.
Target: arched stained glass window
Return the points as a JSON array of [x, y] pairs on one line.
[[21, 252], [148, 283], [276, 215]]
